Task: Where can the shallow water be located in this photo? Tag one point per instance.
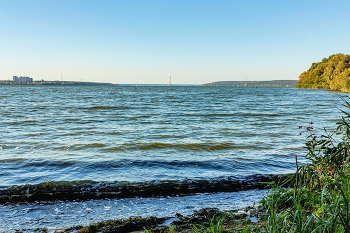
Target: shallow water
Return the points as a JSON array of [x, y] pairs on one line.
[[143, 134], [61, 215]]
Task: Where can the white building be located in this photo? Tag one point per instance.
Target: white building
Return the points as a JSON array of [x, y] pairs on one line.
[[22, 79]]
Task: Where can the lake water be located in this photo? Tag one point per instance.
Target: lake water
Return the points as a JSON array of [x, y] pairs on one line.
[[142, 134], [138, 135]]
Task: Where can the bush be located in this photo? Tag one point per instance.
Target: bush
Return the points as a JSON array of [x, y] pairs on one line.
[[321, 201]]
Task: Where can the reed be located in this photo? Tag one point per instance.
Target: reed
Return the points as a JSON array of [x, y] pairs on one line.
[[320, 203]]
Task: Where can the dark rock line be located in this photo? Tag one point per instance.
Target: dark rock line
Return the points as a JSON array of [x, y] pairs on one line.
[[32, 193]]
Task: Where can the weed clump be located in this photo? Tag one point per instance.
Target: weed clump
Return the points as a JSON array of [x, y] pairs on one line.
[[320, 202]]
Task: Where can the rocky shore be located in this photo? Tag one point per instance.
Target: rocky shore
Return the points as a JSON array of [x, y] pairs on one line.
[[228, 221], [49, 208], [53, 191], [61, 216]]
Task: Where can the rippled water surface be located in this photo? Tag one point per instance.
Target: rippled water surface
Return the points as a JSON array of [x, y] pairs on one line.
[[140, 134]]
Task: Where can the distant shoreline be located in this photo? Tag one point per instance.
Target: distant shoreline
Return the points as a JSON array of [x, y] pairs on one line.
[[54, 83], [272, 83]]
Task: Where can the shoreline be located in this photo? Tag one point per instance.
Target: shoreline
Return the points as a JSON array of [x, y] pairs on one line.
[[202, 219], [61, 215], [58, 191]]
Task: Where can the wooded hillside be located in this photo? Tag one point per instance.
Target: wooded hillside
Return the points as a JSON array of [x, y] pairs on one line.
[[331, 73]]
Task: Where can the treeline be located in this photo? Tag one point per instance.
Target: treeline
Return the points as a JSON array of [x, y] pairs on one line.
[[331, 73], [273, 83], [56, 83]]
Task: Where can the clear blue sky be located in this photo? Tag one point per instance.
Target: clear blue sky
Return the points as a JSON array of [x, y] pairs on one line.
[[147, 41]]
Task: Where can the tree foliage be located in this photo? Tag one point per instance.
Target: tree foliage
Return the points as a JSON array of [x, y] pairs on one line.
[[331, 73]]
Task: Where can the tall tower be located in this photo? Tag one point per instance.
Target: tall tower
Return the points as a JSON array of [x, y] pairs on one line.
[[245, 84], [170, 83]]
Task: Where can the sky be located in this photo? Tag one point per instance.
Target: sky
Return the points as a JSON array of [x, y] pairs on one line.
[[146, 41]]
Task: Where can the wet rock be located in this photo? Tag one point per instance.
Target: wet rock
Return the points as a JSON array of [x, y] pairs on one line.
[[135, 226], [52, 191]]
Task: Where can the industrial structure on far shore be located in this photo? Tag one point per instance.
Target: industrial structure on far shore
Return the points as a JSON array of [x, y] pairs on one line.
[[22, 79]]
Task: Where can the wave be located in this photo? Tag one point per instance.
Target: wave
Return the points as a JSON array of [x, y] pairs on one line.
[[81, 146], [159, 146], [105, 108], [192, 146], [91, 166], [87, 189]]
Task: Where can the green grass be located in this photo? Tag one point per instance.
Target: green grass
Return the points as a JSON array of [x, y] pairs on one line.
[[321, 201]]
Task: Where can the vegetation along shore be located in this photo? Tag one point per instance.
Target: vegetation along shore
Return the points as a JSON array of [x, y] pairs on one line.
[[54, 83], [331, 73]]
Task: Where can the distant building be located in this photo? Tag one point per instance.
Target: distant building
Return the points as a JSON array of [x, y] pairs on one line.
[[22, 79]]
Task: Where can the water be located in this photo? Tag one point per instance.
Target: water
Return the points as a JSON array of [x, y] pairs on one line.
[[143, 134], [61, 215], [108, 136]]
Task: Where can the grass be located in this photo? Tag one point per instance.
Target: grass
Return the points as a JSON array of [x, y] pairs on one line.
[[321, 201]]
